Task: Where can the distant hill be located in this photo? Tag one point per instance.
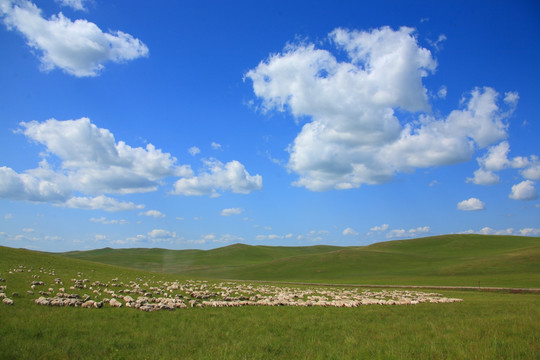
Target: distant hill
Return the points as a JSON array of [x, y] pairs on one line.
[[470, 260]]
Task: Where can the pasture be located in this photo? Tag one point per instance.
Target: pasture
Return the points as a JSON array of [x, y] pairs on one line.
[[482, 326]]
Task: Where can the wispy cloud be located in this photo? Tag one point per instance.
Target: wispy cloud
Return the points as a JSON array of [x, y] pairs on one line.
[[104, 220], [232, 211]]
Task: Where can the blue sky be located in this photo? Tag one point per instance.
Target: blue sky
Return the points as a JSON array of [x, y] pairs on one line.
[[185, 124]]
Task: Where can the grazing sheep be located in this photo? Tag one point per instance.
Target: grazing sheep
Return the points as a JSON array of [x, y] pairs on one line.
[[115, 303], [7, 301]]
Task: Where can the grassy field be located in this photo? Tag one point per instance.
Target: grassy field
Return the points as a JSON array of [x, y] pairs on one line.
[[462, 260], [483, 326]]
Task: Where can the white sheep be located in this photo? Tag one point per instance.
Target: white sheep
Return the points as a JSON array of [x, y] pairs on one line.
[[115, 303], [7, 301]]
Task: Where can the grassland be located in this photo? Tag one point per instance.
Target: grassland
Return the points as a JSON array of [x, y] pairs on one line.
[[461, 260], [483, 326]]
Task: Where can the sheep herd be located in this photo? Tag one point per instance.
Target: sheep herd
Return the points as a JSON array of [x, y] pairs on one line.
[[151, 295]]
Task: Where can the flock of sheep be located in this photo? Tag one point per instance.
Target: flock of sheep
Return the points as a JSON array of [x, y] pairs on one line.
[[151, 295]]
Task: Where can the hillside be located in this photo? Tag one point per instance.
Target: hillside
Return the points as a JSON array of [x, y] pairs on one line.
[[469, 260], [477, 325]]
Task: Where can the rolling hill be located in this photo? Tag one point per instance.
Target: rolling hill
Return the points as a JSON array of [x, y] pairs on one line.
[[464, 260]]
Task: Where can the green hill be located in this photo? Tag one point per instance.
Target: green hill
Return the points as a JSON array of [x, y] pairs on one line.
[[465, 260]]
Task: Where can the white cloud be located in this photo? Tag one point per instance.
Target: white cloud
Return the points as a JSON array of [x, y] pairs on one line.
[[209, 237], [44, 185], [509, 231], [383, 227], [525, 190], [532, 172], [157, 236], [530, 232], [217, 176], [153, 213], [96, 163], [104, 220], [496, 159], [194, 150], [90, 162], [511, 98], [129, 240], [28, 230], [402, 233], [349, 231], [489, 231], [232, 211], [216, 146], [442, 92], [314, 236], [74, 4], [472, 204], [78, 47], [160, 233], [38, 185], [100, 202], [8, 216], [269, 237], [484, 177], [228, 238], [437, 44], [353, 135]]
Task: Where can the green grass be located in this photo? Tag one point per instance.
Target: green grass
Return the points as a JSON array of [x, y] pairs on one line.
[[178, 261], [461, 260], [483, 326]]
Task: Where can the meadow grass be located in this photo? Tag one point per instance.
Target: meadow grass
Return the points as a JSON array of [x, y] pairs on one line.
[[483, 326]]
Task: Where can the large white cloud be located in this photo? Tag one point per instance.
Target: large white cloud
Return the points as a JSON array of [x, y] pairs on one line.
[[95, 163], [216, 177], [78, 47], [525, 190], [353, 135], [38, 185], [43, 185], [92, 162]]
